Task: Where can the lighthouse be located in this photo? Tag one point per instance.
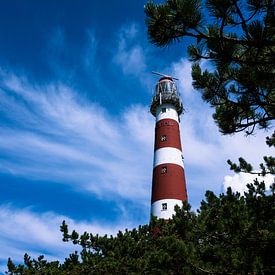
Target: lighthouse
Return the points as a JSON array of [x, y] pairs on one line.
[[168, 183]]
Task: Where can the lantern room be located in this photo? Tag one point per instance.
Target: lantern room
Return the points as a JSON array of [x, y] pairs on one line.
[[166, 93]]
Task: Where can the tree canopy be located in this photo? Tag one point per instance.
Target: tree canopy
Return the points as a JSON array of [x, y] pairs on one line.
[[238, 38], [230, 234]]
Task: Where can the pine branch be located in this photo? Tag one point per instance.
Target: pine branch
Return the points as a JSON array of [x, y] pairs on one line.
[[265, 168]]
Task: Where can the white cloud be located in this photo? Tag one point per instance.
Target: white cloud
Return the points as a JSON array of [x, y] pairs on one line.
[[239, 181], [68, 138], [182, 70], [23, 231], [130, 31], [130, 56]]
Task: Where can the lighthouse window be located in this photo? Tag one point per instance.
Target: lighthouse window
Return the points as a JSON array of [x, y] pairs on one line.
[[164, 206], [163, 110], [163, 138], [163, 170]]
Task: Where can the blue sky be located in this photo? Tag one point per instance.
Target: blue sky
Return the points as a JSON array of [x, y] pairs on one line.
[[76, 134]]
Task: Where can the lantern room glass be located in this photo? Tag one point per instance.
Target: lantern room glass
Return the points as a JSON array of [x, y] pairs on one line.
[[166, 86]]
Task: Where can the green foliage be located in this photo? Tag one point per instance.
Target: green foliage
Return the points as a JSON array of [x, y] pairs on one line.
[[238, 38], [270, 141], [229, 234]]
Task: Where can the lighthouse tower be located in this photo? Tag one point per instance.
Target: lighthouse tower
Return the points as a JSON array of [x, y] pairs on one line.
[[168, 184]]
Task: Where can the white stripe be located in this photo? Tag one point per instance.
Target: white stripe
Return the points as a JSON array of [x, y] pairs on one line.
[[170, 112], [168, 155], [158, 208]]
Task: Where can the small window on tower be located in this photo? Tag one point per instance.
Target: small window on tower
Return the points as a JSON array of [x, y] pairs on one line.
[[164, 206], [163, 110], [163, 170], [163, 138]]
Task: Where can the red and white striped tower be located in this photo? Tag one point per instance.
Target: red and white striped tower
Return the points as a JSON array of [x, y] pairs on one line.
[[168, 184]]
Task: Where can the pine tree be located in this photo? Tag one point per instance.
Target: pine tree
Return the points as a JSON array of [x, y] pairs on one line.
[[230, 234]]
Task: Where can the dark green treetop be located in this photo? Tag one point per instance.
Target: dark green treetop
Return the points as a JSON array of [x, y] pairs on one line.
[[230, 234]]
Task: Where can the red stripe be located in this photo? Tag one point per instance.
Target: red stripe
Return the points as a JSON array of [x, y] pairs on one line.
[[168, 128], [170, 185]]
